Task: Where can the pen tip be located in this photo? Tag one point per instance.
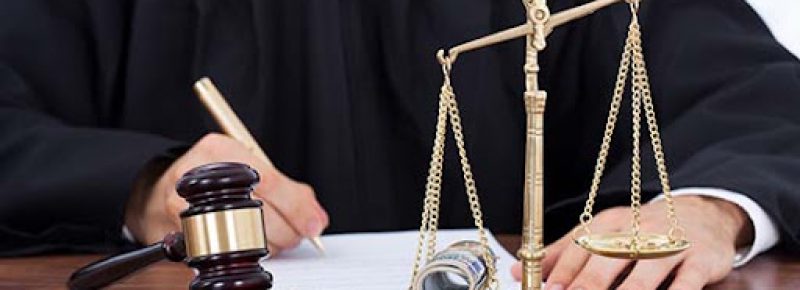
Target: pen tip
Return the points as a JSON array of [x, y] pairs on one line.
[[318, 244]]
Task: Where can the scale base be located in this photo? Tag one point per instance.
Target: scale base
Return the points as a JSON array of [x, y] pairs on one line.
[[618, 245]]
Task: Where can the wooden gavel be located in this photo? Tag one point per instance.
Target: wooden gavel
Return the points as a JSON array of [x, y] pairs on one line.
[[223, 235]]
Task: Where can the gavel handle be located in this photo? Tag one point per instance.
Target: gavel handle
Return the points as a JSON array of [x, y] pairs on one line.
[[108, 270]]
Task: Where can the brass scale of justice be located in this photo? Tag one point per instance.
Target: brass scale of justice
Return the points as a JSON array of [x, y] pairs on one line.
[[627, 245]]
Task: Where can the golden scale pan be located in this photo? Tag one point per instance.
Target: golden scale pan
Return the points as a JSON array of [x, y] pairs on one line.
[[618, 245]]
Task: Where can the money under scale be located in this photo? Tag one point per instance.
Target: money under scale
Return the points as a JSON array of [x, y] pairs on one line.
[[633, 244]]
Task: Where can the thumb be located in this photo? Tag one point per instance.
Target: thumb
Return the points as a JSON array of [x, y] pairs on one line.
[[516, 271]]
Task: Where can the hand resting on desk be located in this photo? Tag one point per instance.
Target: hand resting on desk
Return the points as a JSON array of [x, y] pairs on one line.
[[291, 211], [714, 226]]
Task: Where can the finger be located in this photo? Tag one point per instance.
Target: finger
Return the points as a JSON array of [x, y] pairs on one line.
[[648, 274], [516, 271], [599, 272], [175, 205], [568, 265], [553, 252], [692, 274], [280, 235], [572, 258], [167, 219], [296, 203]]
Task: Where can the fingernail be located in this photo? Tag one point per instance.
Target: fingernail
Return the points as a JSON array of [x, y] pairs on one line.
[[555, 287], [314, 228]]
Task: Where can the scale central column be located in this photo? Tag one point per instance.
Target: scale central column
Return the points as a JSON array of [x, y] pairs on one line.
[[531, 251]]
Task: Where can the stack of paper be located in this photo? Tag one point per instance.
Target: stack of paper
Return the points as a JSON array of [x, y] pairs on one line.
[[373, 261]]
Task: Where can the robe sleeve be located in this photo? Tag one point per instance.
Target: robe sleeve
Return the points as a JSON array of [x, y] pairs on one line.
[[65, 171]]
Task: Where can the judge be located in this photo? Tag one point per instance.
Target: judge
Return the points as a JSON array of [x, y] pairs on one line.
[[97, 122]]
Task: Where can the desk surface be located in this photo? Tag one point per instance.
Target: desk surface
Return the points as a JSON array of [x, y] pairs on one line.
[[770, 271]]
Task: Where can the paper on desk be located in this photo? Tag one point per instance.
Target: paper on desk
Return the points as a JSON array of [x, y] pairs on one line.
[[373, 261]]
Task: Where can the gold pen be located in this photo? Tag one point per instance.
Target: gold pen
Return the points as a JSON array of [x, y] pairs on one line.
[[222, 113]]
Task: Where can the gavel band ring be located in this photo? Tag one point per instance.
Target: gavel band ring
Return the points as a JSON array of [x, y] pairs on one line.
[[224, 231]]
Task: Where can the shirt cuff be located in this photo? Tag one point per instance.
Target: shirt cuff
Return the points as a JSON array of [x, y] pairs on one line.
[[765, 231], [126, 233]]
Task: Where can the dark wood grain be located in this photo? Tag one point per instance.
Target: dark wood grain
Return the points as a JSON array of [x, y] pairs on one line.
[[770, 271], [52, 272]]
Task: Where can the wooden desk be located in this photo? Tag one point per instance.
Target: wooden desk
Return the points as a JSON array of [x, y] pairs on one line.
[[770, 271]]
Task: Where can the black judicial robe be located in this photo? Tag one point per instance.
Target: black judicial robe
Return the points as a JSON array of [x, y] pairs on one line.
[[343, 94]]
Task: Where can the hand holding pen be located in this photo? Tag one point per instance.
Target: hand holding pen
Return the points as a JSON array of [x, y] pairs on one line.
[[291, 210]]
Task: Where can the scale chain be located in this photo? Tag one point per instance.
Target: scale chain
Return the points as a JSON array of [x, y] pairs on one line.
[[429, 221], [448, 110], [633, 61], [616, 102], [472, 191], [636, 166], [655, 137]]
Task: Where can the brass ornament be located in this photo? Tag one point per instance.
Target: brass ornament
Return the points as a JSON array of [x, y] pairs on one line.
[[620, 245], [224, 231], [629, 245]]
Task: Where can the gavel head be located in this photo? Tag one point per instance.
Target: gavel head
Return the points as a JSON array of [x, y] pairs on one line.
[[224, 227]]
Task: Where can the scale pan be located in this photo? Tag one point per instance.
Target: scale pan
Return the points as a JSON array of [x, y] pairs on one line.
[[617, 245]]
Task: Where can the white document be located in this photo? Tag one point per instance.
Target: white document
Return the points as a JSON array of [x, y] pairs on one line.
[[369, 261]]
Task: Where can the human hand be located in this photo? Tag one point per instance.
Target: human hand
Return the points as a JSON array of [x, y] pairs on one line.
[[291, 211], [715, 228]]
